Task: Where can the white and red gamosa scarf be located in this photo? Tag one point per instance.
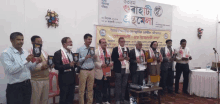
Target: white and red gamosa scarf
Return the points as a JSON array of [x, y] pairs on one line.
[[102, 57], [138, 54], [184, 52], [64, 58], [125, 62], [167, 52], [152, 55]]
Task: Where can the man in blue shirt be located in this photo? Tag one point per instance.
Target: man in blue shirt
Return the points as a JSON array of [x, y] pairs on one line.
[[86, 74], [17, 65]]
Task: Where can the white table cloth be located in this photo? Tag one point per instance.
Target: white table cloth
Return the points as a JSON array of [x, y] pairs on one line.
[[203, 83]]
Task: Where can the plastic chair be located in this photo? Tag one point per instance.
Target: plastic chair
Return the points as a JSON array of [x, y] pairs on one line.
[[53, 94]]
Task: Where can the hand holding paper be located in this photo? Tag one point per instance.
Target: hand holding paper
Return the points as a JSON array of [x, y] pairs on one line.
[[138, 61], [121, 59], [104, 66], [72, 64], [30, 57]]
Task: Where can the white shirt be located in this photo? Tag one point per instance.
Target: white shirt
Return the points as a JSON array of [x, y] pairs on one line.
[[123, 66], [186, 51], [16, 67]]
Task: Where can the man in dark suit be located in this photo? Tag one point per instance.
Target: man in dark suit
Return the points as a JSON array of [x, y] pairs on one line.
[[63, 61], [167, 73], [121, 69], [137, 64]]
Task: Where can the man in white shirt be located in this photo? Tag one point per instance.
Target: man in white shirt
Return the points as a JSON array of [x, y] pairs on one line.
[[182, 60], [17, 65]]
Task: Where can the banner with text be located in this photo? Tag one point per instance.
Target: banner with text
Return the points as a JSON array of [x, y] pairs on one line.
[[135, 14], [112, 34]]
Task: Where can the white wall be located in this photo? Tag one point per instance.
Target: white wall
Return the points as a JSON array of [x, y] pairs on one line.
[[185, 26], [78, 17]]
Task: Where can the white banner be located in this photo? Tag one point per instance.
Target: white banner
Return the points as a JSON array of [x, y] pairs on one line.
[[135, 14]]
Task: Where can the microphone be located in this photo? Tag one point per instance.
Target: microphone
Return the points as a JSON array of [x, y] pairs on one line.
[[214, 50]]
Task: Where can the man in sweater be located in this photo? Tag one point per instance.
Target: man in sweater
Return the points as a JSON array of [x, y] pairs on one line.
[[40, 76]]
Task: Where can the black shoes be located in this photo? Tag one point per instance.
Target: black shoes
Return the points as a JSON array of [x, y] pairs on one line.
[[177, 92], [185, 92]]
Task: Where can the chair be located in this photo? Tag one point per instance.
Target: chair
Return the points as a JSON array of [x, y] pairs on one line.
[[53, 94]]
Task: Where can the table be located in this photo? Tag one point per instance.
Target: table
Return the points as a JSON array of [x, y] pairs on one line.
[[203, 83], [154, 88]]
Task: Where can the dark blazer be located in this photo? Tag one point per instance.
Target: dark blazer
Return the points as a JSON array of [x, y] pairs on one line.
[[64, 78], [117, 63], [133, 63], [164, 64]]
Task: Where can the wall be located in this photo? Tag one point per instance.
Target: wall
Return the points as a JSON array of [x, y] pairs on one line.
[[78, 17], [185, 26]]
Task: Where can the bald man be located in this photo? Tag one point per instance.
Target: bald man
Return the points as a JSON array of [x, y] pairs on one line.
[[137, 64]]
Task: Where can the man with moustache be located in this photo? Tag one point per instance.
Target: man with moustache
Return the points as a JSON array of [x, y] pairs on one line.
[[17, 64], [86, 75], [167, 73], [182, 60], [102, 78], [40, 76], [63, 61], [121, 69]]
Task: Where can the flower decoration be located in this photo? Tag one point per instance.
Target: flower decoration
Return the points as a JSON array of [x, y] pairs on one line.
[[52, 19], [200, 31]]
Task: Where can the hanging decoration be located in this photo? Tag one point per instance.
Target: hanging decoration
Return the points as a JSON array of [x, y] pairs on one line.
[[200, 31], [52, 18]]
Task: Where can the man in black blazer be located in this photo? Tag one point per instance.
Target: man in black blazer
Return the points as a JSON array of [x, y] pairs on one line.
[[63, 61], [121, 69], [137, 64]]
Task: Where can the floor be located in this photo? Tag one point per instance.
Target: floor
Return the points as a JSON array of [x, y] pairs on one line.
[[172, 99]]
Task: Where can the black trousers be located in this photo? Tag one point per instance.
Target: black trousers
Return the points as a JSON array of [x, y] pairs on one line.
[[179, 69], [19, 93], [138, 77], [102, 88], [66, 93], [166, 80]]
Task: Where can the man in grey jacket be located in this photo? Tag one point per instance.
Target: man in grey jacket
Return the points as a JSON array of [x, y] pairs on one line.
[[167, 73]]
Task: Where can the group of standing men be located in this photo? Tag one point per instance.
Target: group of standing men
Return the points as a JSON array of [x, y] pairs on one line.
[[29, 75]]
